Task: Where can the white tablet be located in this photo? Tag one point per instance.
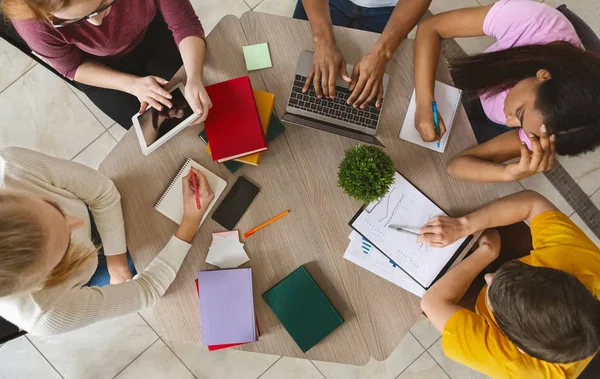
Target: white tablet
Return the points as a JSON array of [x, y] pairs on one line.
[[154, 127]]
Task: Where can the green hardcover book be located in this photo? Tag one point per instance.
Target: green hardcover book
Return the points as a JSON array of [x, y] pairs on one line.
[[303, 309], [275, 129]]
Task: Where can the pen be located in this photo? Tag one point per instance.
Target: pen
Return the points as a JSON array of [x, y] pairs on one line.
[[198, 205], [252, 231], [399, 229], [436, 122]]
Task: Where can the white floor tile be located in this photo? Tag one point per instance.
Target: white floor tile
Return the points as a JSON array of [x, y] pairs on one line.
[[158, 362], [454, 369], [93, 155], [148, 315], [406, 352], [117, 132], [13, 62], [98, 351], [475, 45], [20, 360], [210, 12], [253, 3], [292, 368], [101, 116], [222, 364], [424, 367], [579, 222], [278, 7], [588, 10], [39, 112], [439, 6], [425, 332], [505, 189], [541, 184], [596, 198], [584, 169]]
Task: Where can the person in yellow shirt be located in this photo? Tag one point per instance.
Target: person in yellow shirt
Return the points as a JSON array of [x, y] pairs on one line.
[[538, 316]]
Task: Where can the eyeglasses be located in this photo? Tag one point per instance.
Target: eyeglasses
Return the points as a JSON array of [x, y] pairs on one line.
[[58, 23]]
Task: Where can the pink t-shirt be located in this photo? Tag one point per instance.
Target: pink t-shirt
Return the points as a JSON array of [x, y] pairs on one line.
[[518, 23]]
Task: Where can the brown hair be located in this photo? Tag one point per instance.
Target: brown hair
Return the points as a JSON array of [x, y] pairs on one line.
[[22, 244], [568, 101], [32, 9], [547, 313]]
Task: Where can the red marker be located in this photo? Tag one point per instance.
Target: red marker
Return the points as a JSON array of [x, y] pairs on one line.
[[196, 190]]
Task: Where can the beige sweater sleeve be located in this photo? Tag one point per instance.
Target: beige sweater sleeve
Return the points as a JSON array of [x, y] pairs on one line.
[[77, 180], [87, 305]]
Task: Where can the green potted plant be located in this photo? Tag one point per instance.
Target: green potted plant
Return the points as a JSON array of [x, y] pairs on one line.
[[366, 173]]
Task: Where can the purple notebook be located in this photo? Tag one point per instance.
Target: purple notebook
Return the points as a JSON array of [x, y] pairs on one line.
[[226, 306]]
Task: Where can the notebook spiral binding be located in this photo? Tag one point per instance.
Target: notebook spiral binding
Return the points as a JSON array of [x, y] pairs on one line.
[[453, 117], [176, 177]]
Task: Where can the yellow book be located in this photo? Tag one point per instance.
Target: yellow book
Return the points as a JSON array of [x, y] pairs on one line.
[[265, 102]]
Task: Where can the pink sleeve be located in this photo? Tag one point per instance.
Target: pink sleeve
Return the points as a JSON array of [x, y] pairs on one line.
[[181, 19], [525, 22], [48, 44]]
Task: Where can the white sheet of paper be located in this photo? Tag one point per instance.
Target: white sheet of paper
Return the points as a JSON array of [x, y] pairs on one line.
[[365, 255], [448, 101], [226, 251]]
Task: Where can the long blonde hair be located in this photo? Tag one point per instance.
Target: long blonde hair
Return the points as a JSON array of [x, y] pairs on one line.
[[31, 9], [22, 254]]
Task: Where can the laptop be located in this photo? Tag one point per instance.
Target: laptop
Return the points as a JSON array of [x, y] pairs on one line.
[[332, 116]]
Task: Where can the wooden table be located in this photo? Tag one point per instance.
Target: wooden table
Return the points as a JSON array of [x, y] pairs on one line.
[[299, 172]]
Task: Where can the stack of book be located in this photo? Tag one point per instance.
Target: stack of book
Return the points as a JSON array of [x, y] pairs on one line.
[[240, 124], [227, 313]]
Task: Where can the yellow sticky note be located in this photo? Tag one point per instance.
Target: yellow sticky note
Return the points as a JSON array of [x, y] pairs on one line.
[[257, 56]]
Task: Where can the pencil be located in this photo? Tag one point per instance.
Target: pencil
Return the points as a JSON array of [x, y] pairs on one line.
[[198, 205], [399, 229], [252, 231]]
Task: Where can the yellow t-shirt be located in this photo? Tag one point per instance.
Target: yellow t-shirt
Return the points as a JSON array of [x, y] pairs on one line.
[[475, 340]]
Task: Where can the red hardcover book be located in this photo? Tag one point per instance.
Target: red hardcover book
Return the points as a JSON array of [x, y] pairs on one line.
[[233, 126], [228, 345]]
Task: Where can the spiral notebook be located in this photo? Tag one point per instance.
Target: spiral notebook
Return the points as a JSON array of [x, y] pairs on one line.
[[171, 202], [448, 101]]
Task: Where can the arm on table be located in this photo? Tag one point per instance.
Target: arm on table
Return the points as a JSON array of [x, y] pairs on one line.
[[525, 205], [484, 163], [439, 302], [466, 22], [367, 76], [88, 305], [193, 52], [148, 90], [327, 59]]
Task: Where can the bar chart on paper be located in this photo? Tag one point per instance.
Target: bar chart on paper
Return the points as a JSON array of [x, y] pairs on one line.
[[405, 206]]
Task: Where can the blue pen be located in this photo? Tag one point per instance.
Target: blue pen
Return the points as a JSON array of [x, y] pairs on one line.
[[436, 121]]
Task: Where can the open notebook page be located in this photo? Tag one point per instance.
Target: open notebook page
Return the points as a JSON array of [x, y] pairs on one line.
[[448, 101]]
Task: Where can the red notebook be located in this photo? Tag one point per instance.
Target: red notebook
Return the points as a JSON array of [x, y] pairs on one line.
[[233, 126], [228, 345]]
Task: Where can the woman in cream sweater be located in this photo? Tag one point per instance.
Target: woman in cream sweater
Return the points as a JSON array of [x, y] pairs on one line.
[[46, 252]]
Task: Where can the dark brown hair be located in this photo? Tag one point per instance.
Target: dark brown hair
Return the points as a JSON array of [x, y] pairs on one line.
[[568, 102], [547, 313]]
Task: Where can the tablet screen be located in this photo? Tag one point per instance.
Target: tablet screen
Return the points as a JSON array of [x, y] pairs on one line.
[[155, 124]]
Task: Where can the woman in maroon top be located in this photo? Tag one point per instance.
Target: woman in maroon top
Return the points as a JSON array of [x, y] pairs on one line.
[[120, 52]]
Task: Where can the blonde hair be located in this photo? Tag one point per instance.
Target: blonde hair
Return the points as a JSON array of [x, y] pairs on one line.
[[22, 255], [32, 9]]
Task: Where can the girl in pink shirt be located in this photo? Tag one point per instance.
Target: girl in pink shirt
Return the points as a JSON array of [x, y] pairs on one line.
[[121, 53], [536, 83]]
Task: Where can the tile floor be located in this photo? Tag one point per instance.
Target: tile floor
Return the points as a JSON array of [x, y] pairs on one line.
[[63, 123]]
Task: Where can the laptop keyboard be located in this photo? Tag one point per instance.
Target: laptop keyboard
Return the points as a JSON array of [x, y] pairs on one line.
[[336, 108]]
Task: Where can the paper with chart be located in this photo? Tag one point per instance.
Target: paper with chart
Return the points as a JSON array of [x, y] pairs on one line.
[[362, 253], [406, 207]]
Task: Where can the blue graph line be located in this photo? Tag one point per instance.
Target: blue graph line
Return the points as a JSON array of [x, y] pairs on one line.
[[393, 264]]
